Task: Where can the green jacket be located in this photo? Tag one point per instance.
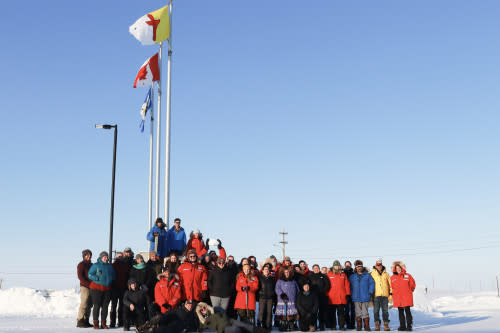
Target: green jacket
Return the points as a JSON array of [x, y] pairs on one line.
[[216, 321]]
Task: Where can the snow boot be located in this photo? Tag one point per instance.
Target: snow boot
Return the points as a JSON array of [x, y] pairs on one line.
[[81, 323], [402, 328], [258, 329], [96, 324], [104, 326], [87, 322], [386, 326], [359, 325], [377, 325], [367, 324]]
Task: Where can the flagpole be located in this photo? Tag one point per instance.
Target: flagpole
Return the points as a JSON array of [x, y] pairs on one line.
[[158, 139], [167, 123], [150, 185]]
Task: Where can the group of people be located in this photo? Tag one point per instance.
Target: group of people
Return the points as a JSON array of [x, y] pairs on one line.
[[210, 290]]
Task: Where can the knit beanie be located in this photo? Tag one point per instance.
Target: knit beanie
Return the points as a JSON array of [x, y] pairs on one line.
[[358, 263], [139, 256], [103, 254], [336, 263]]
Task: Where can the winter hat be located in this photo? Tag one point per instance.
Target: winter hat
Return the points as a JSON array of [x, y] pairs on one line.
[[159, 220], [85, 252], [358, 263], [196, 231], [286, 258], [103, 254], [336, 263], [127, 249], [379, 260], [139, 256]]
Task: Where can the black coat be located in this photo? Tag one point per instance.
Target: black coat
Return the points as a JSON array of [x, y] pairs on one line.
[[139, 298], [301, 279], [145, 276], [179, 319], [221, 282], [320, 283], [266, 287], [348, 271], [307, 304]]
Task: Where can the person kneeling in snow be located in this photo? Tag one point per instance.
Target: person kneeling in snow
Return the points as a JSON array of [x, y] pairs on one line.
[[135, 302], [220, 322]]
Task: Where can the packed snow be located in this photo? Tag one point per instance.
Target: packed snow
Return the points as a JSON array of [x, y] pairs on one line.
[[44, 311]]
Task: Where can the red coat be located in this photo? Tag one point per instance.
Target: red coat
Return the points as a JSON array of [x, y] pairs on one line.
[[403, 286], [198, 245], [193, 278], [339, 288], [168, 292], [241, 296]]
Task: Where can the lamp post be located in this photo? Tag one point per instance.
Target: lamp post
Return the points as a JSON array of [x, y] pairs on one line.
[[112, 188]]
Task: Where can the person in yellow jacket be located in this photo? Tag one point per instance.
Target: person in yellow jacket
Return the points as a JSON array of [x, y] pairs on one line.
[[381, 297]]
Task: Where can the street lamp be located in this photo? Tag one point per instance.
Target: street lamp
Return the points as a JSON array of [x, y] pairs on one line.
[[112, 188]]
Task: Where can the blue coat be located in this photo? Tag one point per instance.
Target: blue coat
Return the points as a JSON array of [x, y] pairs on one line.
[[176, 240], [362, 286], [102, 273], [162, 250]]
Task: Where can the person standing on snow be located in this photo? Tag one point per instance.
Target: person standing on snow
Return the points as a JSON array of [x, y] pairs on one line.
[[337, 295], [320, 284], [193, 278], [403, 286], [102, 275], [287, 290], [158, 237], [362, 288], [266, 296], [350, 312], [381, 297], [176, 238], [247, 285], [85, 299]]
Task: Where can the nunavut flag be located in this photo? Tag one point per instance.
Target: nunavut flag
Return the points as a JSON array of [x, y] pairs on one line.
[[152, 28], [148, 73]]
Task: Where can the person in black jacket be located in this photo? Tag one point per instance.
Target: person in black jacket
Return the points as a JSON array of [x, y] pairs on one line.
[[135, 302], [144, 276], [320, 284], [221, 283], [300, 276], [266, 297], [349, 310], [179, 320], [307, 305]]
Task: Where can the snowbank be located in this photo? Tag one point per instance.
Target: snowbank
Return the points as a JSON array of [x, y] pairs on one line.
[[38, 303]]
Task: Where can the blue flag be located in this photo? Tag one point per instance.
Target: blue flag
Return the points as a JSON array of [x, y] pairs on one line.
[[144, 109]]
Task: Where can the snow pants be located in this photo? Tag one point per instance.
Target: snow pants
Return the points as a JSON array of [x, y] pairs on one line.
[[334, 311], [405, 322], [117, 297], [100, 301], [265, 315]]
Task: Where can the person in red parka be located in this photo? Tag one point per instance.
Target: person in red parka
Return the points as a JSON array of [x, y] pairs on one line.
[[403, 286], [168, 291], [193, 278], [337, 295], [196, 242], [247, 285]]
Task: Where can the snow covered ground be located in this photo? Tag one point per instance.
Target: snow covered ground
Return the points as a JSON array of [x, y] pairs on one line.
[[29, 310]]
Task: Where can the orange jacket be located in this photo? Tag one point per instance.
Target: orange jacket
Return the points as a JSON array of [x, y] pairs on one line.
[[246, 297], [168, 292], [198, 245], [403, 286], [193, 278], [339, 288]]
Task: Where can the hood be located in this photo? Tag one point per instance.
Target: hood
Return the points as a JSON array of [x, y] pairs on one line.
[[198, 311], [267, 261], [131, 281], [400, 263]]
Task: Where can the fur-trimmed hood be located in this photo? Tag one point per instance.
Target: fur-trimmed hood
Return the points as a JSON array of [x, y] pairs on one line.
[[400, 263], [267, 261], [210, 311], [163, 275]]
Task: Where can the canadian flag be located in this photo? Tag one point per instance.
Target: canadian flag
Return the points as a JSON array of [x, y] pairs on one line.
[[148, 73]]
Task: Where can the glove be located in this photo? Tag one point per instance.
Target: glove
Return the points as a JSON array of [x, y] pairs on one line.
[[167, 306], [204, 294], [206, 243], [99, 272], [219, 246], [156, 234], [284, 297], [245, 288]]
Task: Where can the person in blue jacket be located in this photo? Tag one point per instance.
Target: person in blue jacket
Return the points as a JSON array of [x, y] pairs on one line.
[[158, 230], [176, 238], [362, 288], [101, 275]]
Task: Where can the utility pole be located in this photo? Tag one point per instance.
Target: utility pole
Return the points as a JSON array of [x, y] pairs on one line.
[[283, 242], [498, 289]]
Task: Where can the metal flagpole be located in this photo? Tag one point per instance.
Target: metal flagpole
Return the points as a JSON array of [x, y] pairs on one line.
[[150, 185], [167, 123], [158, 139]]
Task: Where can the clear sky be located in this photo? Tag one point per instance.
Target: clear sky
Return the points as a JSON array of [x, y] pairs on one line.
[[364, 129]]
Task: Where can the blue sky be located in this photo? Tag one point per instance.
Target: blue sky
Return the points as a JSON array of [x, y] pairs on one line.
[[363, 129]]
